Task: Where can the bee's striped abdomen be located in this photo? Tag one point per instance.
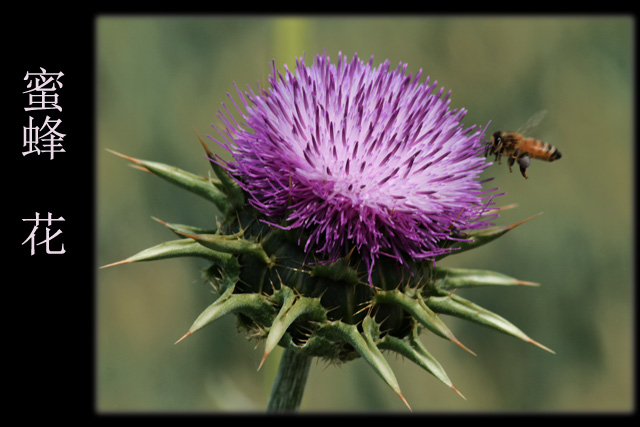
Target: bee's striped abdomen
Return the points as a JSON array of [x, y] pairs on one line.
[[540, 150]]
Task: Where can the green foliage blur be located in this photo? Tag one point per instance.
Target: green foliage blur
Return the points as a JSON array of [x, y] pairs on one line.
[[161, 77]]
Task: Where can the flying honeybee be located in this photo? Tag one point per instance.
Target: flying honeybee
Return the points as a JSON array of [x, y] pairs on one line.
[[521, 149]]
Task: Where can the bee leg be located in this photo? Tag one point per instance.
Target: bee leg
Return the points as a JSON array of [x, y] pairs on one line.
[[524, 161], [512, 160]]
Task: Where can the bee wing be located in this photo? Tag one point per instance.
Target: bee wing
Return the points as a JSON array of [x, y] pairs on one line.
[[532, 122]]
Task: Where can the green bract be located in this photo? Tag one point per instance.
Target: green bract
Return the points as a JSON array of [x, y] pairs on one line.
[[330, 311]]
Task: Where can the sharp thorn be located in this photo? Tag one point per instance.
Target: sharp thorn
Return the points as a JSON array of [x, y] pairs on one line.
[[264, 357], [502, 208], [404, 400], [206, 149], [124, 261], [159, 220], [183, 337], [136, 163], [512, 226], [348, 257], [458, 391], [131, 159], [525, 283], [536, 343], [455, 340]]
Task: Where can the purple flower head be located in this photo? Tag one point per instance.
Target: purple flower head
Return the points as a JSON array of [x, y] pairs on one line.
[[357, 156]]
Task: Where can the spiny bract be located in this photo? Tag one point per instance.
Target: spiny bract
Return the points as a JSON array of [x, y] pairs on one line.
[[328, 293]]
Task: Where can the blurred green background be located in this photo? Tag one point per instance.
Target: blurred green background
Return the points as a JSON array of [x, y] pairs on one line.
[[159, 77]]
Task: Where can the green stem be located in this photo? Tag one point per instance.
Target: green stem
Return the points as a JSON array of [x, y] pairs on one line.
[[288, 387]]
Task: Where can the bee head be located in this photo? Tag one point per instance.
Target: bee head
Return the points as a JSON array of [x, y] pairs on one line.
[[494, 145], [497, 137]]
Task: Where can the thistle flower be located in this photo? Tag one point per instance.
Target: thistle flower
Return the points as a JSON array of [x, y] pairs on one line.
[[347, 184], [362, 158]]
